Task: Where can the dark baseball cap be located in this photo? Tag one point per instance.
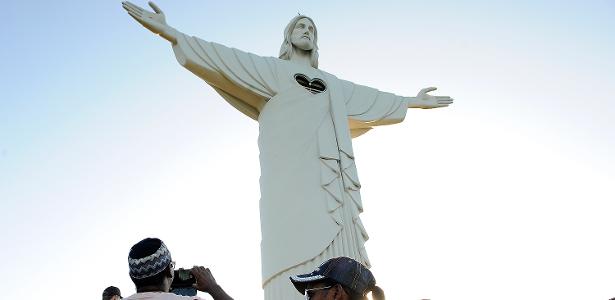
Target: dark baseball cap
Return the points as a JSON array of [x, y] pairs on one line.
[[112, 291], [344, 270]]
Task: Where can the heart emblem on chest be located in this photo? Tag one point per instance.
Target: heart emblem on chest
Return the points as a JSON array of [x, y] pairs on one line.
[[314, 86]]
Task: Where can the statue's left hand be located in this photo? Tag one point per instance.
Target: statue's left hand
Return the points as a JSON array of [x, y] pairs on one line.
[[424, 100], [155, 22]]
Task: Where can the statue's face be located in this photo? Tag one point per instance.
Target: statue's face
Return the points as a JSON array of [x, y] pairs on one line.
[[302, 36]]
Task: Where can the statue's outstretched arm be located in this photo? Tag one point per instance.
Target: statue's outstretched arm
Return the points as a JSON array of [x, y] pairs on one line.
[[424, 100], [155, 21]]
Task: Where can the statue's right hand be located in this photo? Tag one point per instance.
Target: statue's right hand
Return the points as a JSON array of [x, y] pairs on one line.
[[155, 22]]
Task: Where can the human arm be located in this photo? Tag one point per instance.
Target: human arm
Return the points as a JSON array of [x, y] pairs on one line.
[[205, 282]]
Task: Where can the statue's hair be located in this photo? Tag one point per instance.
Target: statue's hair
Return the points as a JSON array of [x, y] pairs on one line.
[[286, 50]]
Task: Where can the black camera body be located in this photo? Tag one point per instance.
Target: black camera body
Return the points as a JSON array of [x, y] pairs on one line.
[[182, 283]]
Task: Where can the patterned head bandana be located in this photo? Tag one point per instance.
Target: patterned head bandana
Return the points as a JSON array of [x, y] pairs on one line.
[[150, 265]]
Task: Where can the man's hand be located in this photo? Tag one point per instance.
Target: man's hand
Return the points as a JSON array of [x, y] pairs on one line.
[[424, 100], [205, 282], [155, 22]]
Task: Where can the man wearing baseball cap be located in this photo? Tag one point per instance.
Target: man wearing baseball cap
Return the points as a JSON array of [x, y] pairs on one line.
[[339, 278], [111, 293], [152, 270]]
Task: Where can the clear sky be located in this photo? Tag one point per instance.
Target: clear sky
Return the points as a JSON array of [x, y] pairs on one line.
[[508, 194]]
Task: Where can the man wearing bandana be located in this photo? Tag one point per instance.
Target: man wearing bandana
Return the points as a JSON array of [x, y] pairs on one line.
[[152, 269]]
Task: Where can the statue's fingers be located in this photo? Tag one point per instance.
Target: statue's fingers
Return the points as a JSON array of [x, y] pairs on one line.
[[131, 10], [138, 18], [427, 90], [126, 6], [443, 97], [155, 7], [132, 14], [128, 3], [133, 6]]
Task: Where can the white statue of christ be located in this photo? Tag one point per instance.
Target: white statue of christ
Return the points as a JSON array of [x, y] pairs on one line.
[[310, 192]]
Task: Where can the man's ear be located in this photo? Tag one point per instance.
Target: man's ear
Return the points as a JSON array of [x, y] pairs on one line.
[[169, 271]]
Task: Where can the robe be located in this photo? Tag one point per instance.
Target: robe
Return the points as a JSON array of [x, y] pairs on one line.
[[310, 191]]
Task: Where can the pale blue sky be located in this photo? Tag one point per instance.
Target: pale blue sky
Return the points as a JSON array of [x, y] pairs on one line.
[[105, 139]]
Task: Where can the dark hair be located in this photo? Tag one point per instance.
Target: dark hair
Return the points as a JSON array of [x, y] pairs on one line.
[[142, 249], [111, 292]]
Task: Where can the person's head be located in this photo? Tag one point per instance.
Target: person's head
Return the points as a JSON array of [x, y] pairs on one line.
[[150, 265], [300, 35], [111, 293], [339, 278]]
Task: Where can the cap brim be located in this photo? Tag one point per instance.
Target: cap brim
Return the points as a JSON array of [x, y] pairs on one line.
[[302, 280]]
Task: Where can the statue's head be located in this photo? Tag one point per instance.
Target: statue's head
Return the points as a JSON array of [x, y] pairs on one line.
[[300, 33]]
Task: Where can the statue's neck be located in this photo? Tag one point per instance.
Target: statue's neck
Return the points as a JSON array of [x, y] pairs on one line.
[[302, 57]]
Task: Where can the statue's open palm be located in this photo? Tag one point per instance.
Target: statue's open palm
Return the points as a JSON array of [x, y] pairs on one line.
[[425, 100], [155, 22]]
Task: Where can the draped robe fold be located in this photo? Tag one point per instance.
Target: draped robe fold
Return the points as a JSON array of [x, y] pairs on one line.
[[310, 190]]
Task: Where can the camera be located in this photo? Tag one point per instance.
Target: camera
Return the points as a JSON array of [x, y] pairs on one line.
[[182, 283]]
